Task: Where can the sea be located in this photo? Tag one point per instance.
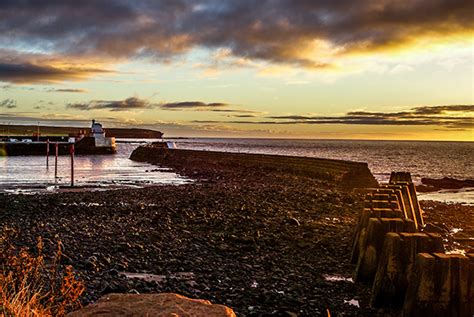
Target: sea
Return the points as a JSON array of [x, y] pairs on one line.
[[420, 158], [32, 174]]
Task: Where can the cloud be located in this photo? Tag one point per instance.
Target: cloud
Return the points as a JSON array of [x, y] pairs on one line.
[[435, 110], [202, 106], [71, 90], [398, 69], [303, 33], [447, 116], [135, 103], [128, 104], [8, 103], [244, 111], [191, 105], [30, 73], [244, 116]]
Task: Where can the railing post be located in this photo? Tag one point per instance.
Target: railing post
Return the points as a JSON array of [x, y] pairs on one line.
[[47, 153], [56, 161], [72, 164]]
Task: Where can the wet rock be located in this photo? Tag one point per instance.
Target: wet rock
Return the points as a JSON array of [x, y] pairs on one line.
[[91, 263], [446, 183], [435, 228], [114, 287], [294, 221]]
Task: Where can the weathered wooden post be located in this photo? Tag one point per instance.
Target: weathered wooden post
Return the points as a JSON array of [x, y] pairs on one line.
[[71, 150], [56, 147]]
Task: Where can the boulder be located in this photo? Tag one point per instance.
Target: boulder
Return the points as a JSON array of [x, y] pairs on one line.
[[159, 305]]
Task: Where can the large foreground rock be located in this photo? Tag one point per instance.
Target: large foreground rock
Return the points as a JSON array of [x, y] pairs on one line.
[[159, 305]]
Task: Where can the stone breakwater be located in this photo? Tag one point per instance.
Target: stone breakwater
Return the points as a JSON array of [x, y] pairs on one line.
[[344, 174], [262, 240]]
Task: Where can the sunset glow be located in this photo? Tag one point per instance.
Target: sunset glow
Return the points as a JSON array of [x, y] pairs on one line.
[[278, 69]]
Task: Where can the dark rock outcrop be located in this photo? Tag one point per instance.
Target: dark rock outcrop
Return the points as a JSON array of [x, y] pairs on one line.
[[433, 184]]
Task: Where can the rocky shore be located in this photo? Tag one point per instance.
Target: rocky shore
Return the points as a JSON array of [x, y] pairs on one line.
[[263, 241]]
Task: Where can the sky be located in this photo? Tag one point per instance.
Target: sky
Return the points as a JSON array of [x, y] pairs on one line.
[[332, 69]]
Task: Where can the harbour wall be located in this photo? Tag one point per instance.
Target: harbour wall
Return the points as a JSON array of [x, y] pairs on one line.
[[344, 174]]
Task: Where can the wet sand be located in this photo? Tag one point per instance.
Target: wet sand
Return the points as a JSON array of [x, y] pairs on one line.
[[263, 241]]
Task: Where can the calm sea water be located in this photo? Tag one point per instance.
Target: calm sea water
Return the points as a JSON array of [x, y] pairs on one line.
[[422, 159], [29, 173]]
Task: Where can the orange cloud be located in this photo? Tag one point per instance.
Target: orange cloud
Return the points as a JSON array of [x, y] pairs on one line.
[[306, 34]]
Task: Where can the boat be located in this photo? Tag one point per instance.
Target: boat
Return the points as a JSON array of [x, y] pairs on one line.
[[92, 142]]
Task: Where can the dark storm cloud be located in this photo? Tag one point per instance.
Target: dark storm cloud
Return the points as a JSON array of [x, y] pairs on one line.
[[276, 31], [419, 116], [119, 105], [30, 73], [191, 105], [8, 103]]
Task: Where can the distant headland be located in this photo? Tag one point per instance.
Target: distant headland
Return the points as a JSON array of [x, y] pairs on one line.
[[20, 130]]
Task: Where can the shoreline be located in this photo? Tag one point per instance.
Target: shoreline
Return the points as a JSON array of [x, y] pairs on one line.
[[259, 240]]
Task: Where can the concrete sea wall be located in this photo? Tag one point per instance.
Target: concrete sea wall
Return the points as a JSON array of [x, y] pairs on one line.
[[345, 174], [406, 264]]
